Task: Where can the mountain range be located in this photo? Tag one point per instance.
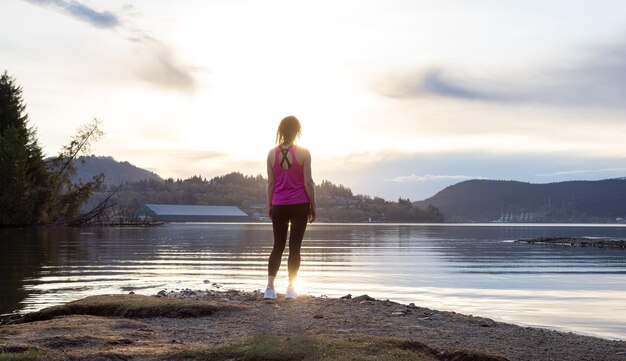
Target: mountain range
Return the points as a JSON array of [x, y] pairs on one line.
[[115, 172], [511, 201], [468, 201]]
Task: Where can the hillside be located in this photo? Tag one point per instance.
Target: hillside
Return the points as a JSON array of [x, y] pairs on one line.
[[511, 201], [336, 203], [114, 172]]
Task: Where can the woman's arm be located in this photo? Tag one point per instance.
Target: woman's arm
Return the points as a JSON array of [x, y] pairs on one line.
[[309, 186], [270, 185]]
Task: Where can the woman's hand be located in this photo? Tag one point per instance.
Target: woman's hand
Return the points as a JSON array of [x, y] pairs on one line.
[[312, 214], [269, 211]]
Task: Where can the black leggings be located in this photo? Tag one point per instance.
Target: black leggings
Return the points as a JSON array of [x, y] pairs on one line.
[[281, 215]]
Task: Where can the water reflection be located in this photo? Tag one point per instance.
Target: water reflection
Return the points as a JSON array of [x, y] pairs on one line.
[[471, 269]]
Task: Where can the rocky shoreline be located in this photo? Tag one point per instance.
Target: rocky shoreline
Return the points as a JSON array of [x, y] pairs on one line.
[[577, 242], [175, 325]]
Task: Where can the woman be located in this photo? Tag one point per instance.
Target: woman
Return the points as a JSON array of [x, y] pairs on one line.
[[291, 198]]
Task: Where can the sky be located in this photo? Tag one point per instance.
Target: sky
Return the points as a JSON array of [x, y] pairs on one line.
[[396, 98]]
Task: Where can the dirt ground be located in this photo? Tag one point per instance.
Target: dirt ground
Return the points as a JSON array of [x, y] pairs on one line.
[[245, 314]]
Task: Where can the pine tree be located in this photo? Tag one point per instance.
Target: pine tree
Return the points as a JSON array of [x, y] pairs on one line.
[[23, 175]]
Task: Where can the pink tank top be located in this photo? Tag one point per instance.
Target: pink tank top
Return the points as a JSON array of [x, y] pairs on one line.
[[288, 183]]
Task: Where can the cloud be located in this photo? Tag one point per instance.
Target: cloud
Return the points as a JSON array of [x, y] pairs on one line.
[[157, 65], [172, 155], [597, 78], [100, 19], [160, 66], [431, 177], [582, 171]]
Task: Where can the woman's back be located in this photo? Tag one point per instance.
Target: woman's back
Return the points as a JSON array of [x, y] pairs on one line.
[[299, 151], [287, 167]]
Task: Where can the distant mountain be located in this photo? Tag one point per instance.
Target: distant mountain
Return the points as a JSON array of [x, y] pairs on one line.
[[511, 201], [114, 172]]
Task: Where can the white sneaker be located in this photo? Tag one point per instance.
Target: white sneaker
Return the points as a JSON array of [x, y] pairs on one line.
[[270, 294], [291, 294]]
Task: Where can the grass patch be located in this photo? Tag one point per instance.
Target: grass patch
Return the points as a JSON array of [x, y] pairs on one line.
[[318, 347], [264, 347], [8, 331], [134, 306], [28, 355]]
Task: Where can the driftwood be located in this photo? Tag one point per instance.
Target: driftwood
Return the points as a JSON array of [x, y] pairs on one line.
[[95, 212]]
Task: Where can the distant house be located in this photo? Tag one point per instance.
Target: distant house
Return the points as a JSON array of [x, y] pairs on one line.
[[195, 213]]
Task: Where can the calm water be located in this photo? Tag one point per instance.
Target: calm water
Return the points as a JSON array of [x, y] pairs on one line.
[[473, 269]]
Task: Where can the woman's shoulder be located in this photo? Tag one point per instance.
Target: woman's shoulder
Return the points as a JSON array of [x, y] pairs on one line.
[[302, 149], [271, 152]]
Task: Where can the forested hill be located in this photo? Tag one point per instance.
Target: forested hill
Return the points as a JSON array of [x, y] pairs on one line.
[[511, 201], [114, 172], [336, 203]]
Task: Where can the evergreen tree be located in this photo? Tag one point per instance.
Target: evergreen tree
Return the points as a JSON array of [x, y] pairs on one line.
[[23, 176]]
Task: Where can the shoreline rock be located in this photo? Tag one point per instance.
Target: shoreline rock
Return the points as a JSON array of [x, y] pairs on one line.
[[577, 242]]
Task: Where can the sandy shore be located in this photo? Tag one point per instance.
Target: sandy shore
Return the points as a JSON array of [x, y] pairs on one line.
[[234, 315]]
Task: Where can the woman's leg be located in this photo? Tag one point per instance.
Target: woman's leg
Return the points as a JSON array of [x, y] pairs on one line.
[[299, 216], [280, 224]]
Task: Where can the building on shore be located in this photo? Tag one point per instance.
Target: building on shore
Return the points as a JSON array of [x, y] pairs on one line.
[[194, 213]]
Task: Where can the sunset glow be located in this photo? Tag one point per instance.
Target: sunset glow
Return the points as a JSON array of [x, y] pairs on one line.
[[199, 87]]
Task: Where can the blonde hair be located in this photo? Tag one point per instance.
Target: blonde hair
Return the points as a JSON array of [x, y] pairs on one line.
[[288, 129]]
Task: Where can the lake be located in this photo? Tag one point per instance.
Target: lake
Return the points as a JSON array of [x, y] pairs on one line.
[[472, 269]]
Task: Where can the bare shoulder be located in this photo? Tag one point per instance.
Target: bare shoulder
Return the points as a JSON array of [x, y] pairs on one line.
[[303, 155], [305, 151]]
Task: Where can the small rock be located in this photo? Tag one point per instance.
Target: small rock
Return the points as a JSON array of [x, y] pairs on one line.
[[162, 293], [366, 302], [131, 293], [341, 330], [399, 312], [121, 341], [206, 281], [486, 323], [187, 293], [434, 317], [412, 304], [364, 298], [346, 297], [318, 316]]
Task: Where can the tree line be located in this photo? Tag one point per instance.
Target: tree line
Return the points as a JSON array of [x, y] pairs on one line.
[[34, 190], [336, 203]]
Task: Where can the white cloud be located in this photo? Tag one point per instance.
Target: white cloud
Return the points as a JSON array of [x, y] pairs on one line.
[[100, 19], [157, 62], [430, 177], [592, 77], [582, 171]]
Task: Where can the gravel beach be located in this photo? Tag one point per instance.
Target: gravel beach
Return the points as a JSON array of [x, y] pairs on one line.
[[241, 314]]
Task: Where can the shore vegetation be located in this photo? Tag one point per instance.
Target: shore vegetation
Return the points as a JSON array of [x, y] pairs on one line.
[[34, 189]]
